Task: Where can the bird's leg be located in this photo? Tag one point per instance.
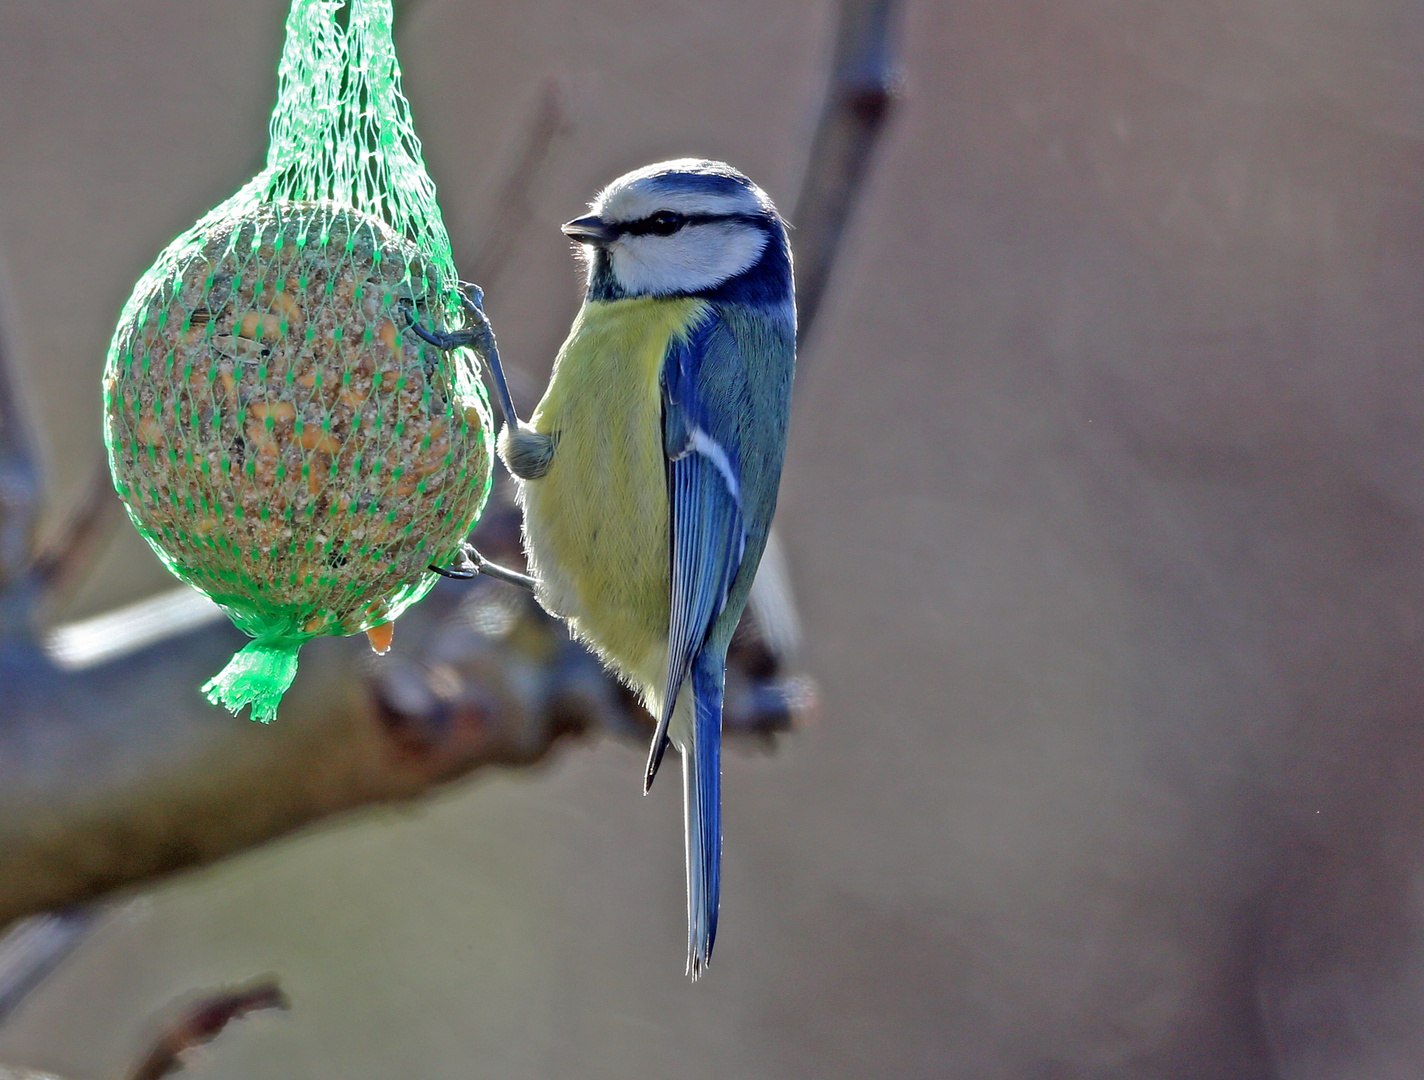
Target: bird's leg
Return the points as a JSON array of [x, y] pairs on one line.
[[472, 564], [477, 335], [526, 452]]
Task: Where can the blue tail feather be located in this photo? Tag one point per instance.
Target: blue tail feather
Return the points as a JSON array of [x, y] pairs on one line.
[[702, 810]]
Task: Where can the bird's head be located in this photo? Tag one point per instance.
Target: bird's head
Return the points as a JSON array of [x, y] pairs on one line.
[[683, 228]]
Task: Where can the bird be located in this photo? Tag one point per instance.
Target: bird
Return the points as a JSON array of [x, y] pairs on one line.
[[649, 471]]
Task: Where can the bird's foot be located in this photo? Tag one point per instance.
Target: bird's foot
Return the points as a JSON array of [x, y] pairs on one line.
[[472, 564], [477, 335]]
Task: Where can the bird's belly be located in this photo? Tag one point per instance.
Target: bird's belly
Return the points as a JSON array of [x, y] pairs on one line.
[[598, 540], [596, 524]]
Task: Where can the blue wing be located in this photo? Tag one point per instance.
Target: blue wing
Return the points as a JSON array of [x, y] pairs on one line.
[[708, 528], [726, 391], [708, 539]]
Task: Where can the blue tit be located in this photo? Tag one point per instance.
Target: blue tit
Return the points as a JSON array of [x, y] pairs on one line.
[[649, 471]]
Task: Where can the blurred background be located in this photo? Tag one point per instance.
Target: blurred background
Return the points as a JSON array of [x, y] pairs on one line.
[[1103, 507]]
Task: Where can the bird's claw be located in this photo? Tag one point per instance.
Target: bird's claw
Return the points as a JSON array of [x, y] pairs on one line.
[[466, 568], [477, 334], [472, 564], [473, 296]]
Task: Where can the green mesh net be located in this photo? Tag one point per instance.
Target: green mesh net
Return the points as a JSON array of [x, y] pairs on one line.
[[279, 435]]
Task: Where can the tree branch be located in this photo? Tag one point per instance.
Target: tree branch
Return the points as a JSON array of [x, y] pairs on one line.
[[120, 772], [512, 209], [190, 1023], [62, 563], [860, 93], [202, 1021], [34, 947], [20, 490]]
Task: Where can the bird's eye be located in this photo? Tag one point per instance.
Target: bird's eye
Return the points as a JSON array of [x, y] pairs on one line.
[[665, 223]]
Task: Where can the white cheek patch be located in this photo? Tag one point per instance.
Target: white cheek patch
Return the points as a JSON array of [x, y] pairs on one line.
[[694, 258]]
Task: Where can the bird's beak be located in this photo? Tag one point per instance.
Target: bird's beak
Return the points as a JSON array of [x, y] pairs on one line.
[[589, 230]]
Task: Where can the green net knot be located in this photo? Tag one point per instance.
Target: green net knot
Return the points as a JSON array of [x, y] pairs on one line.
[[257, 675]]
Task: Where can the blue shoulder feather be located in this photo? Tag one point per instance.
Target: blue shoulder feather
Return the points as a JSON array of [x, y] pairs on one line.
[[708, 531]]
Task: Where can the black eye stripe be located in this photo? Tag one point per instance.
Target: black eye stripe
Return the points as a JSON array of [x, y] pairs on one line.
[[656, 224]]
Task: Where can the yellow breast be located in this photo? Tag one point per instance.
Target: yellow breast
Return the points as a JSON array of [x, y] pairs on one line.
[[596, 524]]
